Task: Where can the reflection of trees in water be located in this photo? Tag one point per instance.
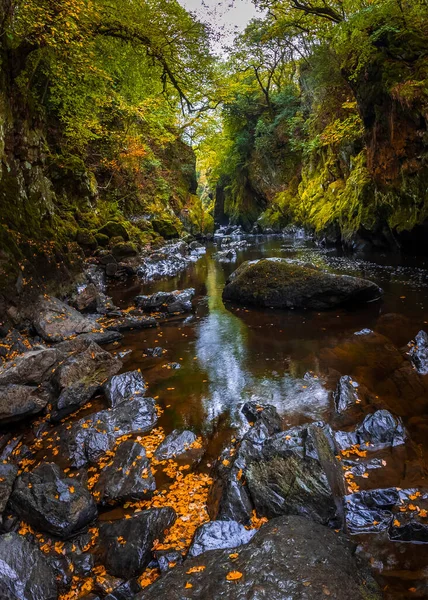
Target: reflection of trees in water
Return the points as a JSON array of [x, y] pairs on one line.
[[224, 353], [221, 350]]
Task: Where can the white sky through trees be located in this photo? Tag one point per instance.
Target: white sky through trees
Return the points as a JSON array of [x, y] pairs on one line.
[[226, 17]]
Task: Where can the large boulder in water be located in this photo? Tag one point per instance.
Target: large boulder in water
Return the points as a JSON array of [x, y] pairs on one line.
[[279, 284], [50, 501], [24, 572], [290, 557]]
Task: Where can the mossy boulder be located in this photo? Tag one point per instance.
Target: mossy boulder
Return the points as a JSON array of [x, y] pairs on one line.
[[102, 239], [87, 240], [166, 229], [124, 250], [114, 229], [276, 283]]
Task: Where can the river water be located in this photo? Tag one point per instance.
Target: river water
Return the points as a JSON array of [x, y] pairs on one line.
[[231, 354]]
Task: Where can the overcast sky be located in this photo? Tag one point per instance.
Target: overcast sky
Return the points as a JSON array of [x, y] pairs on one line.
[[227, 17]]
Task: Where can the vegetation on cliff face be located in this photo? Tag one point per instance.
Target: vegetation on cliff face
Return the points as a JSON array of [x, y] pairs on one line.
[[94, 96], [326, 123]]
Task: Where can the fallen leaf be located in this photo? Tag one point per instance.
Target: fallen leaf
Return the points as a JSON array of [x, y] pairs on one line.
[[233, 575]]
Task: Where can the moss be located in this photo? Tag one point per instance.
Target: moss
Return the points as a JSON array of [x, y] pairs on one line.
[[167, 229], [102, 239]]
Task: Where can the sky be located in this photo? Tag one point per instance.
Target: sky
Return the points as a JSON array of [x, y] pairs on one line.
[[226, 17]]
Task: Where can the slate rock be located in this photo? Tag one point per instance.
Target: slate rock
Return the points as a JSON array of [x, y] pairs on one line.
[[32, 368], [123, 387], [128, 477], [378, 429], [167, 557], [171, 302], [284, 556], [24, 571], [275, 282], [56, 321], [80, 376], [409, 530], [155, 352], [418, 353], [8, 473], [370, 511], [93, 436], [346, 395], [50, 501], [219, 534], [18, 402], [175, 444], [129, 559]]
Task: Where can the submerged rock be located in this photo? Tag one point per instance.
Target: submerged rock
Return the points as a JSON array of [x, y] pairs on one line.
[[418, 353], [128, 477], [121, 388], [172, 302], [126, 544], [24, 571], [80, 376], [50, 501], [216, 535], [92, 436], [20, 401], [279, 284], [290, 557], [56, 321]]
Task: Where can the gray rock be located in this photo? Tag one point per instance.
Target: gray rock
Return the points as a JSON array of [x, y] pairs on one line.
[[175, 444], [123, 387], [19, 402], [289, 558], [31, 368], [8, 473], [216, 535], [378, 429], [24, 571], [418, 353], [129, 559], [277, 283], [176, 301], [128, 477], [50, 501], [93, 436], [56, 321]]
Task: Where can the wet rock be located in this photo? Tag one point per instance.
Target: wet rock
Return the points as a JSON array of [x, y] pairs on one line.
[[280, 284], [50, 501], [83, 564], [219, 534], [126, 322], [102, 337], [92, 436], [30, 368], [130, 558], [168, 261], [166, 558], [114, 229], [127, 477], [155, 352], [298, 474], [80, 376], [418, 353], [378, 429], [24, 571], [409, 530], [8, 473], [56, 321], [370, 511], [126, 591], [290, 557], [347, 394], [172, 302], [175, 444], [91, 299], [228, 255], [19, 402], [264, 414], [121, 388]]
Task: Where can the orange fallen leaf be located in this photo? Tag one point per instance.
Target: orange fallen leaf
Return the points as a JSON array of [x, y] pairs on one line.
[[196, 569], [233, 575], [188, 585]]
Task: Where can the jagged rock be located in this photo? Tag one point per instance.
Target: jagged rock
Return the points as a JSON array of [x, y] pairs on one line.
[[91, 299], [176, 301], [130, 558], [166, 558], [175, 444], [219, 534], [56, 321], [346, 395], [92, 436], [80, 376], [31, 368], [409, 530], [262, 414], [378, 429], [50, 501], [24, 571], [155, 352], [121, 388], [370, 511], [128, 477], [8, 473], [418, 353], [126, 591], [20, 401], [277, 283], [290, 557]]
